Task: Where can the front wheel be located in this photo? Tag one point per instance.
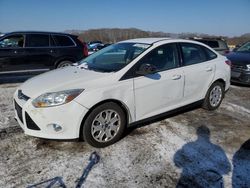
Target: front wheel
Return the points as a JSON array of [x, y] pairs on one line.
[[104, 125], [214, 96]]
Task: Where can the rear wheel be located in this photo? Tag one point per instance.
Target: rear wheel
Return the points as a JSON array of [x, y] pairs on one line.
[[104, 125], [214, 96], [64, 63]]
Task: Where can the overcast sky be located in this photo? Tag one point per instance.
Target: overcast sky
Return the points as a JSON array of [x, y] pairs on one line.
[[219, 17]]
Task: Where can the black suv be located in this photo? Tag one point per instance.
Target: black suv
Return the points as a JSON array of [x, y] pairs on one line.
[[39, 51]]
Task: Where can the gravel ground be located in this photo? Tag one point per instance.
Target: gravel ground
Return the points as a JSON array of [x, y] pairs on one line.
[[193, 147]]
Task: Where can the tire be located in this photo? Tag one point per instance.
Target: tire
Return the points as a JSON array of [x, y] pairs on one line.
[[64, 63], [214, 96], [104, 125]]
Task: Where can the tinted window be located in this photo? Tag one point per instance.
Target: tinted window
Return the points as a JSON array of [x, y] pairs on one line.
[[223, 44], [210, 43], [52, 42], [12, 41], [192, 53], [163, 58], [62, 40], [37, 40]]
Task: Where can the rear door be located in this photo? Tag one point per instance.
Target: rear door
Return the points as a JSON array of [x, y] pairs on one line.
[[38, 52], [199, 70], [12, 54], [163, 90]]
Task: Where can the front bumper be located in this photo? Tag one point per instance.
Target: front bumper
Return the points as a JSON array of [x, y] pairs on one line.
[[240, 76], [37, 121]]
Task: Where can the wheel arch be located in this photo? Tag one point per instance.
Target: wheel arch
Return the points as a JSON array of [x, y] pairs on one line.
[[221, 81], [64, 58], [124, 108]]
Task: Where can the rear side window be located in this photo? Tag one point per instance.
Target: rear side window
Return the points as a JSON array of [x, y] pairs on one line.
[[210, 43], [210, 55], [223, 45], [62, 40], [37, 40], [13, 41], [192, 53]]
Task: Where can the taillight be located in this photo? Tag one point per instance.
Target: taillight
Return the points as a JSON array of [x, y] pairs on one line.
[[228, 62], [85, 50]]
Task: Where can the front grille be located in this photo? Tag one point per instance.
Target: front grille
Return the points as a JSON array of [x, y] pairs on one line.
[[237, 67], [30, 123], [19, 111]]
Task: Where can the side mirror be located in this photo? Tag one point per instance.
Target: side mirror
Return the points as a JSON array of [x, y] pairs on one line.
[[146, 69]]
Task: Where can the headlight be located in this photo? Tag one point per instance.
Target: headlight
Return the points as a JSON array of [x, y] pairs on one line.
[[248, 67], [56, 98]]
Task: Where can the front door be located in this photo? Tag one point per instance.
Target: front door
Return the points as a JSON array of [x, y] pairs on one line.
[[12, 54], [163, 90]]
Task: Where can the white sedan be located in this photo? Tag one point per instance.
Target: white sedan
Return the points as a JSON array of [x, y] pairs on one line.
[[120, 85]]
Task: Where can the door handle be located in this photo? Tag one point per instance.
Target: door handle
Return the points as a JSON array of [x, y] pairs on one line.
[[176, 77], [209, 69]]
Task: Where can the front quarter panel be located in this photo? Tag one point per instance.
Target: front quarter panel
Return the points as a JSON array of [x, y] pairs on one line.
[[121, 91]]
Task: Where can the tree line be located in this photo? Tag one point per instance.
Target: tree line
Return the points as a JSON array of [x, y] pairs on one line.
[[113, 35]]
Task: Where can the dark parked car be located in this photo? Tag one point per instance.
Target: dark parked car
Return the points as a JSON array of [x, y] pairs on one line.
[[92, 48], [218, 44], [36, 51], [95, 42], [240, 69]]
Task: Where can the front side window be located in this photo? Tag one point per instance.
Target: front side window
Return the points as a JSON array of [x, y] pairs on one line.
[[192, 53], [163, 58], [114, 57], [13, 41], [37, 40]]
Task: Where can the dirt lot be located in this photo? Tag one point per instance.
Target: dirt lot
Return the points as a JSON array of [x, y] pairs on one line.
[[192, 147]]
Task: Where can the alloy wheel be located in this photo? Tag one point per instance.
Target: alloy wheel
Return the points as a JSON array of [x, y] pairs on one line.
[[105, 125], [215, 96]]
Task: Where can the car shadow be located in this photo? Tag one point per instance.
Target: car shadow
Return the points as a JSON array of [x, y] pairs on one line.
[[241, 164], [203, 163], [240, 85]]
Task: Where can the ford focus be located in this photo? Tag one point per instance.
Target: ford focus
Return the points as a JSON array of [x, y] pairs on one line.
[[125, 83]]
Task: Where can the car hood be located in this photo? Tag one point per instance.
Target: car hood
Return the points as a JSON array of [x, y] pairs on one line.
[[239, 58], [62, 79]]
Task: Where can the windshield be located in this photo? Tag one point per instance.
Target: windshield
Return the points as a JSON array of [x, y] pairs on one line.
[[114, 57], [244, 48]]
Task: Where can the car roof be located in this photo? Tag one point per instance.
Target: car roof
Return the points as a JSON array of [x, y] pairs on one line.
[[207, 39], [145, 40], [37, 32], [151, 41]]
